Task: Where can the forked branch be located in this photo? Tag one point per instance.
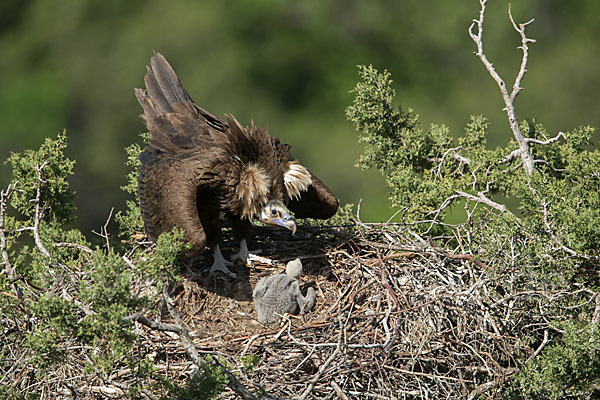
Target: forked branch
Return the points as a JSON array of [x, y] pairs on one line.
[[476, 33]]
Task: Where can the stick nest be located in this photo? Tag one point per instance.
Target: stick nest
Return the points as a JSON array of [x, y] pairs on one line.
[[395, 318]]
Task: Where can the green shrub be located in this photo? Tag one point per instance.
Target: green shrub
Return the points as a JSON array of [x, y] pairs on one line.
[[537, 232]]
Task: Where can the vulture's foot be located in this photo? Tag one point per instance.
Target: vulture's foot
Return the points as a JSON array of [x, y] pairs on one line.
[[244, 255], [220, 264]]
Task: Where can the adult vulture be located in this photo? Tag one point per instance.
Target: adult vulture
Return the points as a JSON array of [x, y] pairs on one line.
[[197, 167]]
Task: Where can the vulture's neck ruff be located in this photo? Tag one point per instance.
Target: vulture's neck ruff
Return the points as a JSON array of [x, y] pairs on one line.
[[252, 191]]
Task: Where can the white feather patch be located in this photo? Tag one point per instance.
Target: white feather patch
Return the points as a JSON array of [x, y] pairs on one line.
[[252, 190], [296, 179]]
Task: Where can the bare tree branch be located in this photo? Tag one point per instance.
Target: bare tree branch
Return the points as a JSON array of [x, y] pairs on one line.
[[520, 28], [104, 230], [482, 198], [509, 98], [511, 156], [77, 246], [548, 141], [39, 212], [9, 269]]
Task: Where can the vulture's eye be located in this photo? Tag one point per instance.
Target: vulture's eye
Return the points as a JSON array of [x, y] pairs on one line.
[[273, 212]]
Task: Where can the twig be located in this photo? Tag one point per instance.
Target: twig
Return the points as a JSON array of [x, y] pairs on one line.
[[77, 246], [325, 365], [338, 390], [104, 230], [9, 269], [540, 347], [547, 141], [39, 211], [482, 198]]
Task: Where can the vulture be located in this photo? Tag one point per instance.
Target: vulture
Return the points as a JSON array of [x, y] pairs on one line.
[[279, 294], [197, 168]]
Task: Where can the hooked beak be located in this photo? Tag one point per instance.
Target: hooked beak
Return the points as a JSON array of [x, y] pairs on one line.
[[287, 222]]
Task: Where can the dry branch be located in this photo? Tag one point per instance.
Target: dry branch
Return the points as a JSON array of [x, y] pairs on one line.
[[509, 98], [8, 270]]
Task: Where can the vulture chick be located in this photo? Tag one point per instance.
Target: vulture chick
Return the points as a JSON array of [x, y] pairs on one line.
[[197, 167], [279, 294]]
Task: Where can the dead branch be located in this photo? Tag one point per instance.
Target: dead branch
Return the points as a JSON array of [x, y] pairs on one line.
[[77, 246], [39, 212], [509, 98], [104, 230], [9, 270], [548, 141], [482, 198]]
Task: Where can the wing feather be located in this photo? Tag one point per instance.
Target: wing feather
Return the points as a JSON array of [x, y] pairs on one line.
[[313, 200]]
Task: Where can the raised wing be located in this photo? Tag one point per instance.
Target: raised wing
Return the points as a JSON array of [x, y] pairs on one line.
[[318, 201], [308, 196]]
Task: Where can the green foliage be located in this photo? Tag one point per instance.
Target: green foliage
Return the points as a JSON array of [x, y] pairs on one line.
[[104, 292], [48, 170], [427, 175], [162, 266], [395, 144], [58, 322], [249, 362], [130, 221], [343, 215], [543, 226], [205, 384], [568, 368], [9, 393], [78, 301], [108, 290]]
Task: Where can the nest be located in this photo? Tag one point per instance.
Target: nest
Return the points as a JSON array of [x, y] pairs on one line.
[[395, 318]]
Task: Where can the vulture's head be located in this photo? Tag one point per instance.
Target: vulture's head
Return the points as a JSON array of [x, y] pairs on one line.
[[275, 213]]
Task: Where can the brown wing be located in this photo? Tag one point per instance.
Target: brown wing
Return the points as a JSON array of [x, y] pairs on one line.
[[176, 164], [313, 201], [318, 201], [167, 193]]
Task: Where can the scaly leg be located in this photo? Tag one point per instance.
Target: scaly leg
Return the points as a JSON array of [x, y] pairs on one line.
[[244, 253], [220, 264]]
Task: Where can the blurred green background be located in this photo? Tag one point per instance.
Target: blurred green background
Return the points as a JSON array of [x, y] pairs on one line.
[[290, 65]]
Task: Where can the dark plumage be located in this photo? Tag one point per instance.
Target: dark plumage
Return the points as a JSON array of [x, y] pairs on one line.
[[197, 166]]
